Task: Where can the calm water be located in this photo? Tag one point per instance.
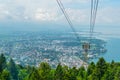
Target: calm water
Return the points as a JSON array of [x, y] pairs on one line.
[[112, 36], [113, 53]]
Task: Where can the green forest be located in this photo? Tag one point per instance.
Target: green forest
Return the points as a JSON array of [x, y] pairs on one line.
[[101, 70]]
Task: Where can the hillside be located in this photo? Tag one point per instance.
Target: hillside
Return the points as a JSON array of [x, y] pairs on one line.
[[101, 70]]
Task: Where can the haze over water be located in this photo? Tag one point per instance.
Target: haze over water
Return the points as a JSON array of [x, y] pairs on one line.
[[111, 36]]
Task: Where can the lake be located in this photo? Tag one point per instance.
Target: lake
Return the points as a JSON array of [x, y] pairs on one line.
[[113, 50], [113, 53]]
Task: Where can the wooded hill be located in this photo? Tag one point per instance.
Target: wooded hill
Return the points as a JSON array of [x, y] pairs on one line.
[[101, 70]]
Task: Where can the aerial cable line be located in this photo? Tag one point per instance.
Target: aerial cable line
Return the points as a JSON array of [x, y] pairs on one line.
[[91, 17], [94, 13], [86, 46], [67, 18], [94, 7]]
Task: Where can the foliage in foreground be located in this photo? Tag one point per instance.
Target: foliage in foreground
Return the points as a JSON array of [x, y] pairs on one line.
[[99, 71]]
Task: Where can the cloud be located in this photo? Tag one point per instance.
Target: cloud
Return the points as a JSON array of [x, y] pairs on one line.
[[108, 15], [78, 15], [46, 10], [75, 1], [44, 14]]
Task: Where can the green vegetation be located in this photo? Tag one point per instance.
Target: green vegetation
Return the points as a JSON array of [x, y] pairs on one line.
[[99, 71]]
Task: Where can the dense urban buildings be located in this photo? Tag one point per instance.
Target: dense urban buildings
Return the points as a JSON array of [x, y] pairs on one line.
[[31, 48]]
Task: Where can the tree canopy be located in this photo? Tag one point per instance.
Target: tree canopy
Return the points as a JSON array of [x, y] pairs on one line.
[[101, 70]]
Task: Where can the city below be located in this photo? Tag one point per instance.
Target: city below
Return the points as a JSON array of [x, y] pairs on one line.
[[31, 48]]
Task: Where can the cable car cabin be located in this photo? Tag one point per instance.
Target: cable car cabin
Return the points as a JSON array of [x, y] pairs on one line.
[[86, 46]]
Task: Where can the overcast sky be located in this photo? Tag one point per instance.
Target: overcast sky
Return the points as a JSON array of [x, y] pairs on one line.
[[48, 11]]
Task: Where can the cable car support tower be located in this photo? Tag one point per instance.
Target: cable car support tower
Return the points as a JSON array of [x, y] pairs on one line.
[[86, 46]]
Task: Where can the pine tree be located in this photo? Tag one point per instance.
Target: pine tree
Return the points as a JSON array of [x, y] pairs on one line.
[[22, 74], [82, 73], [90, 68], [101, 68], [108, 74], [44, 71], [2, 62], [34, 75], [59, 73], [73, 72], [117, 74], [5, 75], [13, 69]]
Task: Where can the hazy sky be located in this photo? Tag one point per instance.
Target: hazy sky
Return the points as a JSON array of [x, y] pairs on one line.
[[48, 11]]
